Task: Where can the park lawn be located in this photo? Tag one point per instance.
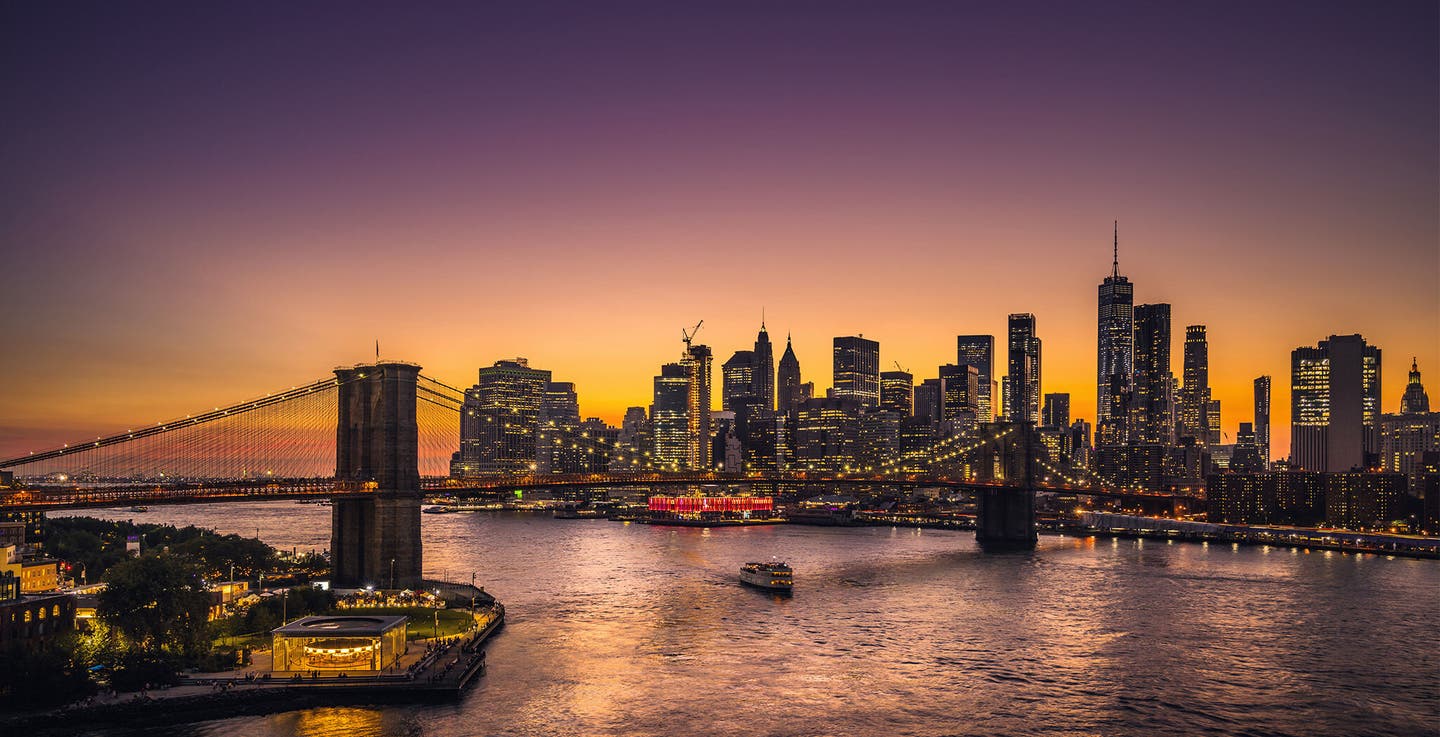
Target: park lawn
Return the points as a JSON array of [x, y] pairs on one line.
[[422, 619], [421, 626]]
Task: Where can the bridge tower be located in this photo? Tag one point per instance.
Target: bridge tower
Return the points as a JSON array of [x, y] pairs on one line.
[[1006, 518], [375, 537]]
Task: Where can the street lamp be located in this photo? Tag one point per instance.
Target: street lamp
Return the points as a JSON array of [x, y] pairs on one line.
[[392, 574]]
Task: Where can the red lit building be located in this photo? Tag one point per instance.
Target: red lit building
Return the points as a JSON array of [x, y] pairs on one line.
[[713, 507]]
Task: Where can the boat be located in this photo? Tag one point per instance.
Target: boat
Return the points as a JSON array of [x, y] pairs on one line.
[[774, 576], [571, 513], [139, 509]]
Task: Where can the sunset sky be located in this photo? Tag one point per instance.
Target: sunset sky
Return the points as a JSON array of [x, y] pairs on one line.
[[202, 203]]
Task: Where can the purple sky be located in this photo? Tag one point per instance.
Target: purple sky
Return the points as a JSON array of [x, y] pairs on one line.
[[201, 203]]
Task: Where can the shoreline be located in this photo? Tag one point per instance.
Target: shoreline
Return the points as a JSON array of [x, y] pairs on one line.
[[265, 697]]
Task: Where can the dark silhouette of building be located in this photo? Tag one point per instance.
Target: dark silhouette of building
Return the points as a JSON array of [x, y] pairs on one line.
[[763, 370], [1415, 400], [927, 401], [1151, 419], [787, 380], [737, 380], [1057, 411], [960, 398], [1334, 404], [979, 351], [1079, 444], [1195, 393], [1262, 418], [1024, 370], [1246, 456]]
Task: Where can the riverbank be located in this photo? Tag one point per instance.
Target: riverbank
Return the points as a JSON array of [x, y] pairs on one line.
[[442, 674]]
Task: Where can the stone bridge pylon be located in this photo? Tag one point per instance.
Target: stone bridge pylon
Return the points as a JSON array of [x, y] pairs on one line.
[[375, 538]]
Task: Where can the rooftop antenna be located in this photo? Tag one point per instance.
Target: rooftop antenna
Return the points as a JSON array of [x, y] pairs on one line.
[[377, 350], [1115, 265]]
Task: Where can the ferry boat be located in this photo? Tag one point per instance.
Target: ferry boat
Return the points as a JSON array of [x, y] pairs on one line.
[[775, 576]]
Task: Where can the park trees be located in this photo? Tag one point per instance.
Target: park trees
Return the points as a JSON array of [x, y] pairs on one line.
[[158, 602]]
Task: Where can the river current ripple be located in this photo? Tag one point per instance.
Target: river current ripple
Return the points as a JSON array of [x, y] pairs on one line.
[[627, 629]]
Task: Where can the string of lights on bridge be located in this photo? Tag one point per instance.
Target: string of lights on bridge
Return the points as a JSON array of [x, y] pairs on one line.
[[441, 437]]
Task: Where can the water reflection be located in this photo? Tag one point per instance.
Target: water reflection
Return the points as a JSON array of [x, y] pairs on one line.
[[635, 630]]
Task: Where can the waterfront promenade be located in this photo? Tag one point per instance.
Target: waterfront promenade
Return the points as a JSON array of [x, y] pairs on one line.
[[435, 670]]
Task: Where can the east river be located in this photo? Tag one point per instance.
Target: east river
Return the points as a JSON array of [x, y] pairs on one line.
[[628, 629]]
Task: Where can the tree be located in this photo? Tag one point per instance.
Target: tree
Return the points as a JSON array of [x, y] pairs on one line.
[[159, 602], [41, 678]]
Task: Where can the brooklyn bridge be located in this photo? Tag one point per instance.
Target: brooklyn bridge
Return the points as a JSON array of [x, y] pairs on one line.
[[377, 438]]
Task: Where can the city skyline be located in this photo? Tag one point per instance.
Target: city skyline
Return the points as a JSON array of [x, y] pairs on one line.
[[231, 243]]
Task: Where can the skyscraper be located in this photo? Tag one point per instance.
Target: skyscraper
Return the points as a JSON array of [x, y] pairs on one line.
[[1195, 393], [764, 370], [927, 400], [1415, 400], [827, 434], [737, 380], [959, 397], [787, 380], [559, 421], [1151, 419], [979, 351], [669, 417], [1080, 443], [697, 361], [1024, 370], [1262, 418], [561, 405], [857, 370], [1410, 439], [1115, 348], [1057, 411], [897, 392], [500, 419], [634, 437], [1333, 388]]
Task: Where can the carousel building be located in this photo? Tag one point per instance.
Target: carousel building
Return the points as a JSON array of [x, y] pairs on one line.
[[326, 643]]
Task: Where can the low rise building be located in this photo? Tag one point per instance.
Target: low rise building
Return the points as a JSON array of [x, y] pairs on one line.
[[1351, 500], [31, 620], [37, 575], [339, 644]]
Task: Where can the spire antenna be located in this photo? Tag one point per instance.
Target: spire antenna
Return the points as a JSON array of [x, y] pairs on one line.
[[1115, 265]]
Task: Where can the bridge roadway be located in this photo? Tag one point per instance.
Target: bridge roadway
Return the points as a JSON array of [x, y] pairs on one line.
[[58, 497]]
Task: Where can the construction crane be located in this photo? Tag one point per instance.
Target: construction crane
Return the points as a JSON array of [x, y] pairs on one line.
[[900, 368], [689, 336]]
